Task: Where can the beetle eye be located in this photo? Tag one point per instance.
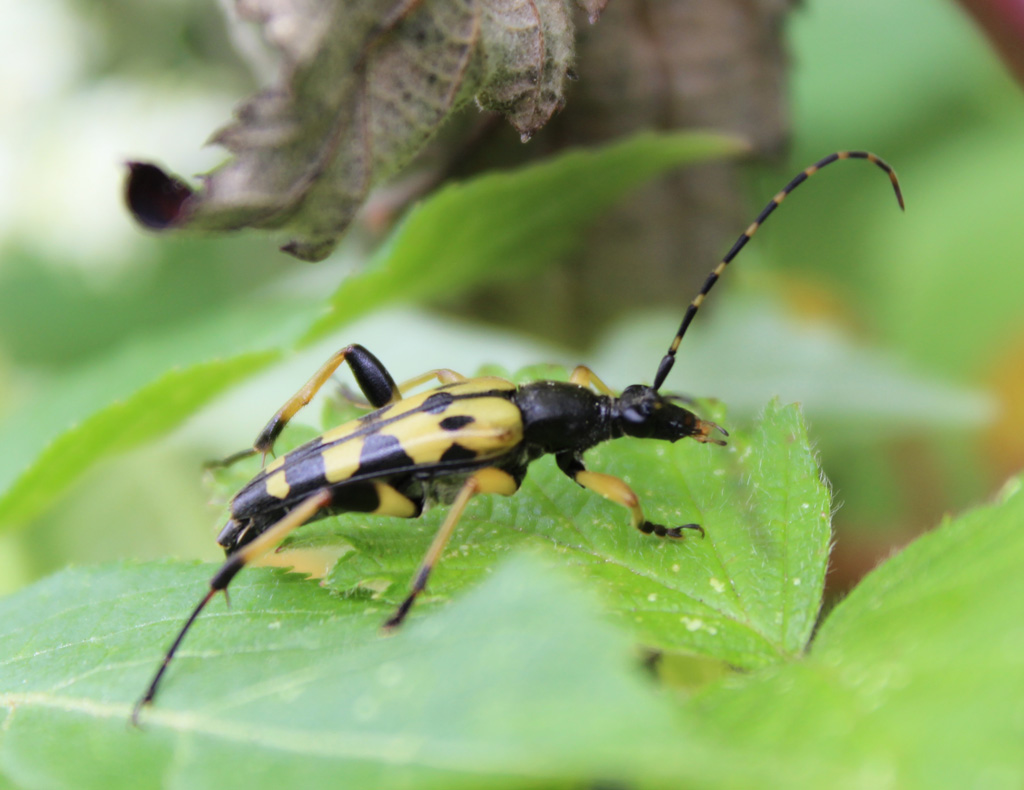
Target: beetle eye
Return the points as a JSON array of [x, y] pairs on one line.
[[638, 413], [634, 416]]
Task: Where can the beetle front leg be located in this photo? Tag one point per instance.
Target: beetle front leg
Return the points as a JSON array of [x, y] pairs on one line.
[[486, 481], [372, 377], [616, 490], [585, 377]]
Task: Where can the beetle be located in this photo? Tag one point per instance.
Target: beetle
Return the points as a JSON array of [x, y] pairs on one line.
[[464, 437]]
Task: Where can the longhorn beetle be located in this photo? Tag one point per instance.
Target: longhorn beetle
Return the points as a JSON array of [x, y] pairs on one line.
[[467, 436]]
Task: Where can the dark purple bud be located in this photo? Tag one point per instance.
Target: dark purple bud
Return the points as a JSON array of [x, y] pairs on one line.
[[155, 199]]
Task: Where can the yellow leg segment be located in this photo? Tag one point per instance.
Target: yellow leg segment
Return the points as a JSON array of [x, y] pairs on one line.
[[272, 536], [585, 377], [251, 551], [394, 503], [373, 378], [443, 375], [265, 441], [616, 490], [486, 481]]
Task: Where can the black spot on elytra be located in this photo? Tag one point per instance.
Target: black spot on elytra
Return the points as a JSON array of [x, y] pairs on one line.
[[380, 454], [438, 402], [457, 453], [305, 474], [455, 422]]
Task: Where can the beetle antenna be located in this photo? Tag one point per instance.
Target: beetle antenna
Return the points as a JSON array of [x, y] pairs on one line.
[[669, 359]]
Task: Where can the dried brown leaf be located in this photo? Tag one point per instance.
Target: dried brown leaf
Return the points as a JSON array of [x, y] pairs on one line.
[[364, 84]]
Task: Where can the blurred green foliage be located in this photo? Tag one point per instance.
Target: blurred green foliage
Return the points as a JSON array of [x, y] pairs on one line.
[[901, 334], [911, 682], [939, 288]]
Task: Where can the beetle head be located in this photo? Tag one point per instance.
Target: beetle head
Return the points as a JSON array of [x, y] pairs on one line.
[[646, 414]]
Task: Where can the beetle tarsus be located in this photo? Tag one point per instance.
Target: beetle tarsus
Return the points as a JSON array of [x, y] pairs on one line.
[[396, 619], [650, 528], [224, 463]]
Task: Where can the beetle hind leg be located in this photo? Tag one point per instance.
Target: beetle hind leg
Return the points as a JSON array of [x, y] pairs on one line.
[[373, 379], [261, 544]]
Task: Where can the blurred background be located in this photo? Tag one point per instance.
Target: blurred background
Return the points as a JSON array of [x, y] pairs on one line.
[[902, 334]]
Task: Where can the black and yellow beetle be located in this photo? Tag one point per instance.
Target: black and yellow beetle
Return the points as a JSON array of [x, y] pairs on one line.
[[445, 445]]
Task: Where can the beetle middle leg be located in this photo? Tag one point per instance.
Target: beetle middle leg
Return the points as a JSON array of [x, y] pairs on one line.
[[485, 481], [443, 375], [616, 490]]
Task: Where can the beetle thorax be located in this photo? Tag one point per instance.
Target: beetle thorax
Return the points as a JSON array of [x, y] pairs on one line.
[[560, 416]]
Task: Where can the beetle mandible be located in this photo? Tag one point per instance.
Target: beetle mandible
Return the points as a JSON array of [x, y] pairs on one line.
[[467, 436]]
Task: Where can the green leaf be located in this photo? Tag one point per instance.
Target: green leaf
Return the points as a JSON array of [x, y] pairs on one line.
[[518, 685], [748, 593], [506, 225], [144, 390], [146, 414], [915, 678]]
